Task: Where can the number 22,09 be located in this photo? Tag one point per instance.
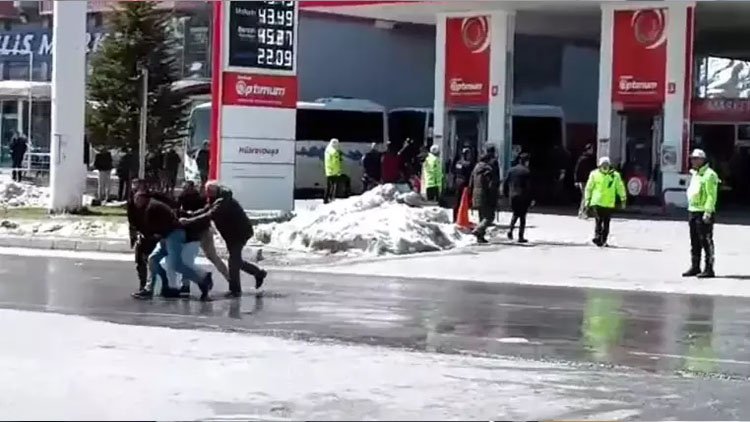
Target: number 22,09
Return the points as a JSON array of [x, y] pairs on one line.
[[273, 57]]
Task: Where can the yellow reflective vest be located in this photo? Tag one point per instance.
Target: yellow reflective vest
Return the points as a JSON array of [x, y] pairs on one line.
[[603, 188], [333, 162], [432, 172]]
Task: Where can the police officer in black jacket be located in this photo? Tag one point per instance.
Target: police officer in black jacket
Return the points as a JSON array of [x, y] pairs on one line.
[[235, 228]]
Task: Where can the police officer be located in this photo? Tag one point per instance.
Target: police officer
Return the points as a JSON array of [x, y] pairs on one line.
[[432, 174], [334, 162], [603, 189], [702, 195]]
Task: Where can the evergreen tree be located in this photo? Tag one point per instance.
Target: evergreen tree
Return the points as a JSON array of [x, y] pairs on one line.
[[141, 36]]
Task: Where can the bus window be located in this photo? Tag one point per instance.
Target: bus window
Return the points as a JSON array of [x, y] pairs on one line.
[[199, 127], [406, 124], [346, 126]]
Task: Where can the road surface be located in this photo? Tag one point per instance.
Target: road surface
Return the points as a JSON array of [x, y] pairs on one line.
[[350, 347]]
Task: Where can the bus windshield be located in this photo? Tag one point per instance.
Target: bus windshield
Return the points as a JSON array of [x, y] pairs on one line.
[[407, 124], [346, 126], [199, 128]]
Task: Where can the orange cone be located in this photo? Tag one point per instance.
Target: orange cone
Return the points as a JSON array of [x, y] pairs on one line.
[[462, 220]]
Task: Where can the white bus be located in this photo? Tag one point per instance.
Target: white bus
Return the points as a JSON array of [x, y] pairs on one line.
[[355, 123]]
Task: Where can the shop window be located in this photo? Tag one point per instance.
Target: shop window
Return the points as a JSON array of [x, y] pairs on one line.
[[346, 126], [743, 133]]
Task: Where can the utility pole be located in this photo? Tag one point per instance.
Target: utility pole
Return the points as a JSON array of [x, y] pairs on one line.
[[143, 124]]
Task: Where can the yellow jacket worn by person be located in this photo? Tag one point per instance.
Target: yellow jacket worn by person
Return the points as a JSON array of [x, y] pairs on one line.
[[333, 161], [604, 188], [703, 190]]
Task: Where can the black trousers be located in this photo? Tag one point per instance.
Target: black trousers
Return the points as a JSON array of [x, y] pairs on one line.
[[332, 187], [143, 248], [17, 162], [603, 220], [520, 206], [701, 240], [486, 219], [433, 193], [123, 188], [237, 263]]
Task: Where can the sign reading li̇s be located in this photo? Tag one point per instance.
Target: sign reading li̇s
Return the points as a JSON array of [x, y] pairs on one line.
[[255, 100]]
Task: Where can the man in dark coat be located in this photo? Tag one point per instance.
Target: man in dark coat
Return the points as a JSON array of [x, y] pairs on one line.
[[103, 164], [484, 188], [142, 242], [202, 160], [584, 166], [125, 174], [371, 166], [18, 148], [518, 189], [235, 228], [462, 169], [171, 168]]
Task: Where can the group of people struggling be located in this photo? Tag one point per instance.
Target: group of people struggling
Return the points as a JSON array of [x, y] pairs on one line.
[[167, 235]]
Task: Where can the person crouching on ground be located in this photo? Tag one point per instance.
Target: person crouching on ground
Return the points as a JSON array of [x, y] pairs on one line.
[[483, 186], [517, 188], [235, 228], [702, 194], [161, 221], [603, 189]]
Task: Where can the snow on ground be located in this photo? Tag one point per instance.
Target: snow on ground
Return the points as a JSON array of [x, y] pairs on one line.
[[14, 194], [72, 368], [385, 220]]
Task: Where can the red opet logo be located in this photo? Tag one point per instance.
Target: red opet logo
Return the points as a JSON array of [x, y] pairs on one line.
[[649, 27], [475, 32], [245, 88]]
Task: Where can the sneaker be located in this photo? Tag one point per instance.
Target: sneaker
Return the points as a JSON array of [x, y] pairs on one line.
[[597, 242], [693, 272], [260, 278], [481, 240], [510, 235], [522, 240], [143, 294]]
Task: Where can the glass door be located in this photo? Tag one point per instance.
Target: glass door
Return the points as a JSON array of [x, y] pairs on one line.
[[9, 122]]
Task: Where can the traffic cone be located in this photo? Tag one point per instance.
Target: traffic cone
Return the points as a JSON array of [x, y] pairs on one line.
[[462, 220]]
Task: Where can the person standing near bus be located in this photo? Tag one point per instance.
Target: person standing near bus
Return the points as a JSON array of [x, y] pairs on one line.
[[702, 194], [371, 164], [432, 174], [603, 190], [334, 162], [202, 159]]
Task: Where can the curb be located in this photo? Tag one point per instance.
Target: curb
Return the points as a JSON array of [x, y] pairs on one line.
[[93, 245]]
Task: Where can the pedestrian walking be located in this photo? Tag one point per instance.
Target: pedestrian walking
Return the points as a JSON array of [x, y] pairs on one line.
[[171, 168], [432, 174], [702, 195], [518, 188], [18, 147], [236, 229], [103, 165], [603, 189], [584, 166], [483, 186], [462, 169], [334, 162], [124, 175], [371, 166]]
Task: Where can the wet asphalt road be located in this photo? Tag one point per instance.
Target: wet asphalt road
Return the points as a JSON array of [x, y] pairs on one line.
[[701, 342]]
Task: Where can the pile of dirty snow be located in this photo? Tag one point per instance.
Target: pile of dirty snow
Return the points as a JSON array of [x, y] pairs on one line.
[[14, 194], [386, 220]]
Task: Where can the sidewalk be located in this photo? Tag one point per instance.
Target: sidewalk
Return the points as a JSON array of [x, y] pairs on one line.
[[646, 256]]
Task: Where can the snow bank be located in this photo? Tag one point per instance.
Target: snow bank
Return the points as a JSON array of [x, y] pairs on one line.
[[14, 194], [386, 220]]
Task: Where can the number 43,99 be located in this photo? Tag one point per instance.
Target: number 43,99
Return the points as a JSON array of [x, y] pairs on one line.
[[276, 58]]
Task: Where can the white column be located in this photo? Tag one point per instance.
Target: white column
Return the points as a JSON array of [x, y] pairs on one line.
[[679, 58], [499, 121], [68, 105], [439, 102], [604, 110]]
